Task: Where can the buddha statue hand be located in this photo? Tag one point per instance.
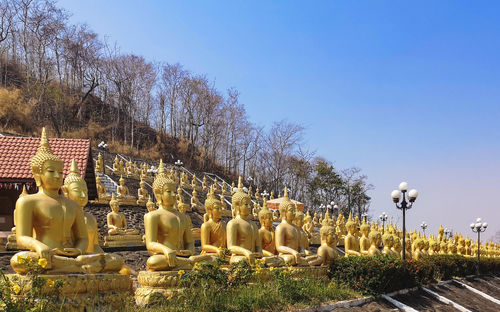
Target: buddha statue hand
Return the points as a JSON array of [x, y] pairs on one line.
[[183, 253], [171, 257], [67, 252], [45, 252]]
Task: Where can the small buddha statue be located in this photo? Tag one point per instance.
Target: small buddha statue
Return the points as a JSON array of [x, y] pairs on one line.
[[179, 194], [142, 193], [223, 202], [266, 231], [271, 197], [51, 226], [308, 226], [304, 239], [375, 239], [223, 189], [242, 233], [213, 231], [150, 205], [440, 233], [315, 220], [185, 180], [168, 236], [255, 211], [357, 233], [194, 183], [327, 251], [276, 216], [468, 250], [117, 223], [123, 194], [116, 166], [433, 247], [216, 186], [232, 189], [99, 164], [387, 242], [288, 235], [351, 243], [122, 167], [452, 248], [102, 196], [204, 184], [364, 241], [257, 195], [250, 191], [443, 247], [419, 245], [341, 227], [461, 246], [183, 208], [396, 246], [195, 203]]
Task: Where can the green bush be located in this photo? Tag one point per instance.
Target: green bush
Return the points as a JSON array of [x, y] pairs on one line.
[[383, 274]]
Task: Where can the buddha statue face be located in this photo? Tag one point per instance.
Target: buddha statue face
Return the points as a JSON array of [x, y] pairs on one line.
[[78, 192], [122, 182], [365, 229], [142, 184], [244, 206], [331, 237], [168, 195], [114, 206], [266, 219], [216, 210], [150, 206], [51, 176], [288, 212], [351, 227]]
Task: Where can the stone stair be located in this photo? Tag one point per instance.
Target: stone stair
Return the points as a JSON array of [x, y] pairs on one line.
[[108, 183]]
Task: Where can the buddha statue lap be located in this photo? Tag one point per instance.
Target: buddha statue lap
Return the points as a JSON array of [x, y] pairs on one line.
[[59, 223], [351, 243], [289, 241], [118, 233], [168, 234], [142, 194], [213, 231], [123, 194]]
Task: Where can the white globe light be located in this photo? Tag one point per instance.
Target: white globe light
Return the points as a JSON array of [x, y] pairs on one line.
[[384, 213], [485, 225], [478, 220], [413, 194], [403, 186], [472, 225], [396, 195], [478, 225]]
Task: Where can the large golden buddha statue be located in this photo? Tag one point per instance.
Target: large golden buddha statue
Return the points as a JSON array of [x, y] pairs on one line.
[[327, 251], [351, 242], [266, 231], [52, 226], [289, 241], [117, 223], [364, 241], [213, 231], [375, 240], [142, 193], [243, 239], [168, 236]]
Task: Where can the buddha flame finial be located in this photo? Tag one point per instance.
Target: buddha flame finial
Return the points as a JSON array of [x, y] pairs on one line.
[[113, 199], [74, 174], [24, 192], [43, 154]]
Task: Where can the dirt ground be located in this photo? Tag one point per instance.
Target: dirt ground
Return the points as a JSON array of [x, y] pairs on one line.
[[484, 286], [465, 298], [421, 301], [374, 306]]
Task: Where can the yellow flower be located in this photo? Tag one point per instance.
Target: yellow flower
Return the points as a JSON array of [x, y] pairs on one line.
[[22, 259], [181, 273], [49, 282], [42, 262], [196, 266], [272, 269], [258, 269], [16, 288]]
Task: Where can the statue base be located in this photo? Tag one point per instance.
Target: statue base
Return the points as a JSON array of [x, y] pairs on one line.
[[157, 286], [123, 240], [11, 242], [127, 201], [84, 292]]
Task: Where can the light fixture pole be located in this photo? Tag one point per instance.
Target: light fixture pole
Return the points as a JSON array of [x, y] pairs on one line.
[[404, 205], [383, 217], [423, 226], [478, 228], [264, 194]]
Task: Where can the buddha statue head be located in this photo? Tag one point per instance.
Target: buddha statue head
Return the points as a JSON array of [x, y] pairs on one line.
[[142, 184], [122, 181], [365, 228], [213, 206], [387, 240], [266, 216], [328, 235], [75, 187], [164, 188], [182, 206], [350, 225], [46, 167], [113, 203], [194, 193], [242, 204], [150, 205], [375, 237], [287, 208], [299, 218]]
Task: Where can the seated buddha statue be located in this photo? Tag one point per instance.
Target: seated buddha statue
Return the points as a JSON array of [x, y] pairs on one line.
[[116, 221], [440, 233], [315, 220], [179, 194], [250, 191], [232, 189], [223, 202], [327, 251], [150, 205], [461, 246], [185, 180], [266, 231], [257, 195], [276, 215], [168, 235], [357, 233], [216, 186], [183, 208], [396, 246], [224, 190], [419, 245], [194, 183], [255, 211], [204, 184], [341, 227], [242, 234], [123, 194], [351, 242], [288, 235], [99, 164], [213, 231], [122, 167], [387, 241], [102, 196], [51, 226], [142, 193], [116, 166], [375, 240], [443, 247], [468, 250], [308, 226], [195, 203], [304, 240], [433, 247], [364, 241], [452, 248]]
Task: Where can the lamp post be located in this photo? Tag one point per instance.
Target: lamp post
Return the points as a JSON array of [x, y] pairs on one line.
[[478, 228], [264, 194], [383, 217], [336, 208], [404, 205], [423, 226]]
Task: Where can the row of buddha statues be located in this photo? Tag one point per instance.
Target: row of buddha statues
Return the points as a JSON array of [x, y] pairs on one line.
[[54, 226]]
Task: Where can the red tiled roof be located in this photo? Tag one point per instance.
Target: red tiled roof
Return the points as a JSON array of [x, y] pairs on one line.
[[16, 152]]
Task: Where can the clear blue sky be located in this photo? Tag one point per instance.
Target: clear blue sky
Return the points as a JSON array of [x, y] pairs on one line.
[[403, 90]]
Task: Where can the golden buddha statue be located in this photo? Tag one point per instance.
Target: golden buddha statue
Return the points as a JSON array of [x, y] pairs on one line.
[[183, 208], [179, 196], [224, 191], [185, 180], [396, 246], [351, 242], [223, 202], [116, 166], [243, 239], [327, 251], [122, 167], [266, 231], [255, 210], [204, 184], [232, 188], [276, 215], [419, 245], [461, 246], [52, 226], [443, 247], [102, 196], [123, 194], [216, 186], [99, 164], [257, 195], [468, 250], [213, 231], [364, 241], [116, 221], [387, 241], [357, 233], [440, 233], [433, 247], [304, 239], [168, 236], [142, 193], [288, 236], [308, 226], [271, 197], [452, 248], [341, 227], [195, 203], [375, 239], [150, 205], [315, 220], [194, 183]]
